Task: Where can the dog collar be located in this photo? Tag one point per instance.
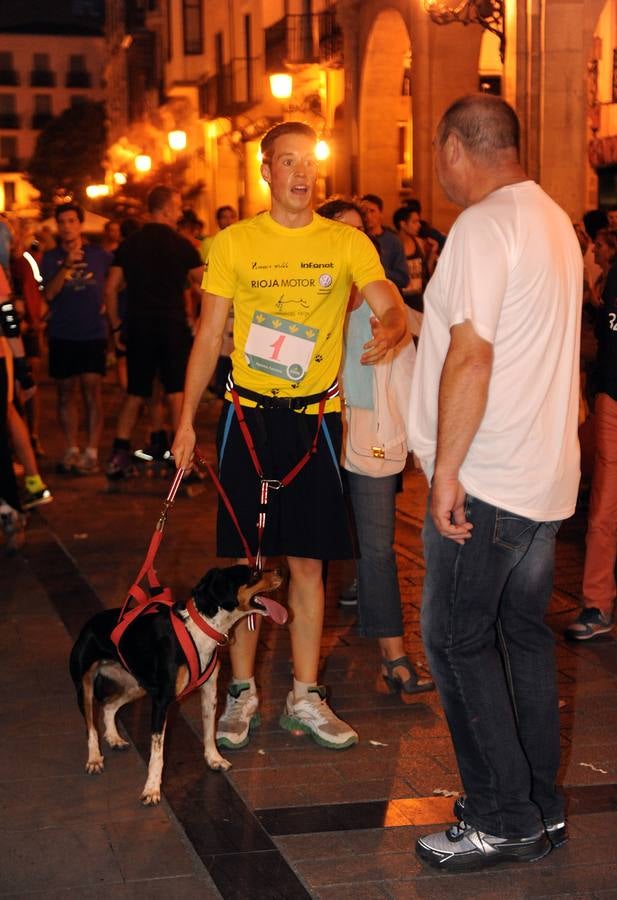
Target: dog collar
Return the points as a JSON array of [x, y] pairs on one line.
[[201, 623]]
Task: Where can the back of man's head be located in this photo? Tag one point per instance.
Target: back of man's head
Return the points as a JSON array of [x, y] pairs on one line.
[[401, 215], [414, 205], [69, 207], [269, 139], [594, 220], [486, 125], [159, 197]]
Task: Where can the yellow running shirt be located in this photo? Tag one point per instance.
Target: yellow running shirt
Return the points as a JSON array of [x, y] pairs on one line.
[[290, 288]]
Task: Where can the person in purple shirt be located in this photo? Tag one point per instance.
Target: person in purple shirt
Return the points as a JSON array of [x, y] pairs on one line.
[[74, 277]]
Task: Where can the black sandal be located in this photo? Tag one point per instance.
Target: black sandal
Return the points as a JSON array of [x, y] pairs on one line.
[[395, 683]]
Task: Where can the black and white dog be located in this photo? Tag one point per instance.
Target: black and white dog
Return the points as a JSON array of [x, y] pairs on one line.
[[157, 663]]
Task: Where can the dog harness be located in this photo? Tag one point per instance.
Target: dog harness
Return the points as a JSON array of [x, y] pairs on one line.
[[158, 599]]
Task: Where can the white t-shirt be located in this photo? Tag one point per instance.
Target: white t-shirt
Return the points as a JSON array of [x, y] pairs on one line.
[[512, 266]]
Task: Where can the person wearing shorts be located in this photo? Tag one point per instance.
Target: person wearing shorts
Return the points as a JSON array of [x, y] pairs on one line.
[[287, 272], [154, 264], [74, 277]]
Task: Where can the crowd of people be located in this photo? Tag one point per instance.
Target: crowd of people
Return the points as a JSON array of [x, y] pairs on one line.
[[305, 324]]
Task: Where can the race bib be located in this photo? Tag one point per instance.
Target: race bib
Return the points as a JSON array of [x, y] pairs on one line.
[[280, 347]]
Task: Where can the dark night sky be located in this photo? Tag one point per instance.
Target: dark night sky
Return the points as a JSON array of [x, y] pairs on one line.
[[52, 16]]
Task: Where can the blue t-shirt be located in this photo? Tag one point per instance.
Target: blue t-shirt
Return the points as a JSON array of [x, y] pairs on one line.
[[76, 312]]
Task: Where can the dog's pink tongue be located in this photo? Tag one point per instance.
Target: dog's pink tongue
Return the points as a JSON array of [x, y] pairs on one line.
[[276, 612]]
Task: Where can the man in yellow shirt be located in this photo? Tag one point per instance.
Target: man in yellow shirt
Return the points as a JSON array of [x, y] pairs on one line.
[[288, 274]]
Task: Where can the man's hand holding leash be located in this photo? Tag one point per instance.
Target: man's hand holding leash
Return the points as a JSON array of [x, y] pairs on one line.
[[183, 446]]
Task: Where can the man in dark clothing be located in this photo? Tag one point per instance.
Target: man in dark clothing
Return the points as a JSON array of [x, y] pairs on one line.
[[390, 248], [597, 616], [155, 263]]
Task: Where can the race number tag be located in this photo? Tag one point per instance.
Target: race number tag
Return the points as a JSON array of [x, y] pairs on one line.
[[279, 346]]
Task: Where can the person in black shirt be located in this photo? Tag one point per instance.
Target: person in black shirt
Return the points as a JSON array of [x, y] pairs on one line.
[[155, 264], [599, 585]]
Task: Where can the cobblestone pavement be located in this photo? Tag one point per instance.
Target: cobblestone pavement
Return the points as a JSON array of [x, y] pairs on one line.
[[290, 820]]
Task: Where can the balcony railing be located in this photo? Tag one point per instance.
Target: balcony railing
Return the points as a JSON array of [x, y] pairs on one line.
[[78, 80], [9, 77], [9, 120], [305, 38], [230, 91], [40, 120], [42, 78]]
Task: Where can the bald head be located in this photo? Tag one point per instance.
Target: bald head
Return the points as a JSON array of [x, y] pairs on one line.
[[486, 125]]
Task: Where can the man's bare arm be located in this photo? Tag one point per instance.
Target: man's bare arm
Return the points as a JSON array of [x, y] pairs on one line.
[[192, 296], [201, 365], [113, 286], [55, 284], [390, 324], [463, 392], [74, 255]]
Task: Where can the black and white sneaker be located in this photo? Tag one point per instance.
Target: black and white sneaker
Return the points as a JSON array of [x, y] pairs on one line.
[[556, 829], [589, 624], [464, 848], [349, 595]]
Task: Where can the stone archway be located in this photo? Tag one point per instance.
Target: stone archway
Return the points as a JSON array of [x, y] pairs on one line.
[[385, 111]]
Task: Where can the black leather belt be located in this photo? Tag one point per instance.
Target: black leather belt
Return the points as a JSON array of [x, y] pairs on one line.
[[294, 403]]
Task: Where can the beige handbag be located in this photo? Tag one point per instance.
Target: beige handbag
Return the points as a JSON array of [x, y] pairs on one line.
[[375, 441]]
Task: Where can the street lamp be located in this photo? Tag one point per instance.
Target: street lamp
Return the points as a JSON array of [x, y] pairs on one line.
[[488, 14], [322, 150], [143, 162], [177, 140], [281, 85], [93, 191]]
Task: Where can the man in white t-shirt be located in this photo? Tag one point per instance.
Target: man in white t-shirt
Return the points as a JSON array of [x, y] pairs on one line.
[[493, 421]]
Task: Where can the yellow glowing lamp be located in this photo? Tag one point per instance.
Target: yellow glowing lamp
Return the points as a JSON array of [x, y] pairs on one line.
[[177, 140], [322, 150], [143, 162], [119, 178], [281, 85], [97, 190]]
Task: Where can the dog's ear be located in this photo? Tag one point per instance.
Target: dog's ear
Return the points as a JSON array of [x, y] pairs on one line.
[[215, 591]]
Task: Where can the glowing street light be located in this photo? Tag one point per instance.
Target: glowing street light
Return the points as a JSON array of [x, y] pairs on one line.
[[93, 191], [177, 140], [143, 162], [281, 85], [322, 150]]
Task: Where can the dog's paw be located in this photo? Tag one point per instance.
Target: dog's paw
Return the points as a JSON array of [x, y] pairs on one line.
[[95, 766], [117, 743], [151, 798], [218, 763]]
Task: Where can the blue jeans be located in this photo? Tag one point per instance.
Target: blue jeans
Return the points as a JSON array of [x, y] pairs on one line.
[[379, 598], [492, 657]]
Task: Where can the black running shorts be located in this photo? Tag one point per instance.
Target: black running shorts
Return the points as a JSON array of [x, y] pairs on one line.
[[307, 518], [154, 348], [69, 358]]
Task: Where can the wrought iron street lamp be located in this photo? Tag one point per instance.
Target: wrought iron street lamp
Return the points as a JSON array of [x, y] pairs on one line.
[[488, 14]]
